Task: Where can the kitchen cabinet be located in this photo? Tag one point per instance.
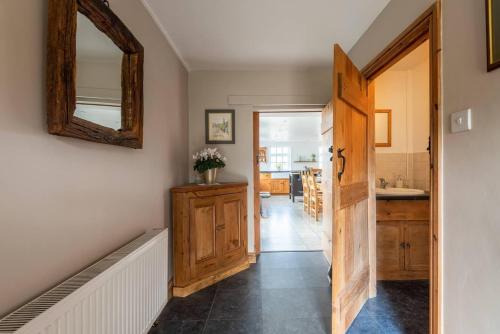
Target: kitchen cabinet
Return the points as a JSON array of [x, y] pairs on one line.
[[274, 186], [403, 240], [210, 234], [280, 186], [265, 182]]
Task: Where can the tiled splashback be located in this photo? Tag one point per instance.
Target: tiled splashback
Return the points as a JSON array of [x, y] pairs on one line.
[[413, 167]]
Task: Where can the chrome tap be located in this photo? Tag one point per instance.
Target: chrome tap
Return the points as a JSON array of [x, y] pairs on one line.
[[383, 183]]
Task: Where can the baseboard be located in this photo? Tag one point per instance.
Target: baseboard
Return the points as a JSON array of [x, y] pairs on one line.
[[252, 258], [170, 288], [208, 281]]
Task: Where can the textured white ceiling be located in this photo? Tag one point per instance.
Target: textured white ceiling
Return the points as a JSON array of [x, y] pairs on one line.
[[290, 127], [262, 34]]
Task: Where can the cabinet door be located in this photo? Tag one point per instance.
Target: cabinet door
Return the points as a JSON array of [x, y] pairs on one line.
[[390, 251], [232, 228], [274, 187], [202, 236], [417, 256], [265, 185]]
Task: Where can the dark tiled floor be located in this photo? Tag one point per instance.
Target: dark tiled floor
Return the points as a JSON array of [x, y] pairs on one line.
[[287, 293]]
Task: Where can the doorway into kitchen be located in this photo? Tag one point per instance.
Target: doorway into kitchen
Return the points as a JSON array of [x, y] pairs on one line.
[[289, 181]]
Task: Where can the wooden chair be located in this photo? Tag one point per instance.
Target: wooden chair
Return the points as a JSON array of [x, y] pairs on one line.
[[315, 197], [305, 189]]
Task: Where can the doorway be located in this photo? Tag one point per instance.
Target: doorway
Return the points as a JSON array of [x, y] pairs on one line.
[[413, 229], [289, 156]]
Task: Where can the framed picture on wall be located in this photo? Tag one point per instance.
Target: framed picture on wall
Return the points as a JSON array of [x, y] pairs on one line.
[[383, 128], [219, 127], [493, 33]]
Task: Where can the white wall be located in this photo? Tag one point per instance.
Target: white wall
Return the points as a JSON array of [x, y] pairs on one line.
[[297, 149], [65, 203], [391, 90], [223, 89], [471, 228], [406, 93]]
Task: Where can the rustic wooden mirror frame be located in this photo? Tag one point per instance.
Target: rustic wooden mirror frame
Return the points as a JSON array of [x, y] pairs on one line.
[[61, 74]]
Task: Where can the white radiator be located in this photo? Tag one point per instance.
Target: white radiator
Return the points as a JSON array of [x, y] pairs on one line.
[[121, 294]]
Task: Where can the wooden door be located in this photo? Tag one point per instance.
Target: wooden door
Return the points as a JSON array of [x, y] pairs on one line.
[[352, 234], [390, 248], [203, 236], [417, 255], [231, 228], [327, 181], [256, 182]]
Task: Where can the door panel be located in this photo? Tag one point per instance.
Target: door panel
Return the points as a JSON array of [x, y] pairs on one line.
[[390, 254], [203, 232], [232, 223], [352, 119], [417, 256], [232, 228]]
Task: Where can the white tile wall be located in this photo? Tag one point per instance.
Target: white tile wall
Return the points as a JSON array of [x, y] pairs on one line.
[[413, 167]]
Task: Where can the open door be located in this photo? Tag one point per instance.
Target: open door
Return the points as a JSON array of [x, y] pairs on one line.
[[352, 231], [256, 182]]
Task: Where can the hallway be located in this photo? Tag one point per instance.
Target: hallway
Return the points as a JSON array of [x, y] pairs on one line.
[[288, 292], [287, 227]]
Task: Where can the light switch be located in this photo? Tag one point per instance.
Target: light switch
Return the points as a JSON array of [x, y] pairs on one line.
[[461, 121]]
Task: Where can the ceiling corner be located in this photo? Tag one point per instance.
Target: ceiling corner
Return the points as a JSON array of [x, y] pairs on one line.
[[165, 33]]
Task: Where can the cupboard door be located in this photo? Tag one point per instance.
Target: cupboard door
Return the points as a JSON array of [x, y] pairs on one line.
[[202, 236], [417, 256], [390, 251], [274, 187], [232, 228], [265, 185]]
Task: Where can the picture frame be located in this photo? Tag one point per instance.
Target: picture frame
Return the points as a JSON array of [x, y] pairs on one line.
[[220, 126], [493, 34], [383, 128]]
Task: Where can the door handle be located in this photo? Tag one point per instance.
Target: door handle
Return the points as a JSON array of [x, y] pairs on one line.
[[340, 156]]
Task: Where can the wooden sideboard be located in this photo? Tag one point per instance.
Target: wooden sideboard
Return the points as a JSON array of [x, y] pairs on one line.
[[210, 234], [403, 239]]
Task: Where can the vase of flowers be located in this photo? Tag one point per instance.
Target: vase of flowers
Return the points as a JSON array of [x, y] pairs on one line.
[[207, 161]]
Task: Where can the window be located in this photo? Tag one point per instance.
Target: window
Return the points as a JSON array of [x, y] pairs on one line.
[[280, 158]]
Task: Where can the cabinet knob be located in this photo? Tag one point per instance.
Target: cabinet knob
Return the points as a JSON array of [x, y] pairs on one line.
[[407, 245], [220, 227], [402, 245]]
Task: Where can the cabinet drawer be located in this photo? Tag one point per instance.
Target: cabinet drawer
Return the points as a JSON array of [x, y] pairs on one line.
[[402, 210]]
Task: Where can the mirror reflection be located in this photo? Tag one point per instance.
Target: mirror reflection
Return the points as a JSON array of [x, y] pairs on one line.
[[98, 76], [383, 128]]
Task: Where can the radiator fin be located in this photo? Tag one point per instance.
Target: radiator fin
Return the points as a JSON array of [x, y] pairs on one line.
[[114, 319]]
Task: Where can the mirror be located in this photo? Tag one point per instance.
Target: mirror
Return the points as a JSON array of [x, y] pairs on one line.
[[383, 128], [493, 33], [98, 76], [94, 74]]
